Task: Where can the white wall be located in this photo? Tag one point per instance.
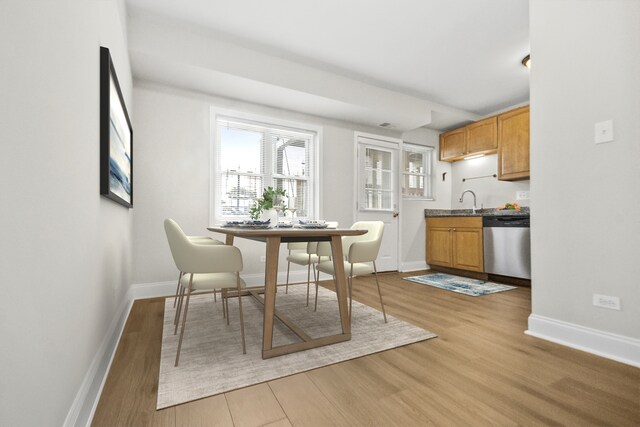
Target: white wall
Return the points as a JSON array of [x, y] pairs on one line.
[[172, 173], [65, 250], [489, 191], [586, 227], [413, 225]]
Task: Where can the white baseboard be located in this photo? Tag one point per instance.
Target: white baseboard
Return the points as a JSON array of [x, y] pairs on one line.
[[413, 266], [86, 400], [612, 346]]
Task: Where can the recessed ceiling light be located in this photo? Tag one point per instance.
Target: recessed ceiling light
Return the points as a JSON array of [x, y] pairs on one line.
[[526, 61]]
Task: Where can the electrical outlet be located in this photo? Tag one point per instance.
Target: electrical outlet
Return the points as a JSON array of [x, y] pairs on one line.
[[263, 258], [606, 301], [522, 195]]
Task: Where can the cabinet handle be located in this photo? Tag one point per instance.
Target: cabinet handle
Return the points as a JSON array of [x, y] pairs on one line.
[[454, 229]]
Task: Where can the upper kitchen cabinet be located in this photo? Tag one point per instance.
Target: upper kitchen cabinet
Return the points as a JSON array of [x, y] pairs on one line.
[[477, 138], [452, 145], [482, 137], [513, 145]]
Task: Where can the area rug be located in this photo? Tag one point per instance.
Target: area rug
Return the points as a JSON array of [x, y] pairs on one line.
[[212, 362], [462, 285]]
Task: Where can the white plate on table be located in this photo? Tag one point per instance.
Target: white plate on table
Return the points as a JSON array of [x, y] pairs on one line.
[[313, 226]]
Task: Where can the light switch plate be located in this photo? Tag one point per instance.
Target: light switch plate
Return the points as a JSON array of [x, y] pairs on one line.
[[606, 301], [522, 195], [604, 132]]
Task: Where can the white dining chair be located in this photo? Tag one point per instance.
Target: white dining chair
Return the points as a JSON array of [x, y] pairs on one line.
[[305, 257], [360, 251], [305, 254], [200, 240], [205, 268]]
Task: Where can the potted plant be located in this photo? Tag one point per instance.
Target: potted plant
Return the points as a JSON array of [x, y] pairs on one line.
[[269, 205]]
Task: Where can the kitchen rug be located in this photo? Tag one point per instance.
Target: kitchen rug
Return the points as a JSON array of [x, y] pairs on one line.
[[212, 362], [462, 285]]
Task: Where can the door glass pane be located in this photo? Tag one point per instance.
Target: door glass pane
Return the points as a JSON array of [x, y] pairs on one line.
[[378, 199], [377, 159], [378, 179]]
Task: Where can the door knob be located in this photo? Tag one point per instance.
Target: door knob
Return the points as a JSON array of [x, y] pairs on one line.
[[395, 214]]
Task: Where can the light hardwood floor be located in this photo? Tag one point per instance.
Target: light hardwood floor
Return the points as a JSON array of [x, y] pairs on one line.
[[481, 370]]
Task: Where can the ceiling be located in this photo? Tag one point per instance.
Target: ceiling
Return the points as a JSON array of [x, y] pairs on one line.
[[462, 56]]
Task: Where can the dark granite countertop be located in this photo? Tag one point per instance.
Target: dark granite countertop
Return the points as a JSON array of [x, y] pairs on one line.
[[481, 212]]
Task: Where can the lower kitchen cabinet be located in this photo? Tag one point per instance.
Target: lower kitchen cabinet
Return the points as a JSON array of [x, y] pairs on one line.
[[455, 242]]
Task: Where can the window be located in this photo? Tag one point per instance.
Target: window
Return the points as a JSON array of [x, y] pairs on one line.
[[251, 156], [416, 171]]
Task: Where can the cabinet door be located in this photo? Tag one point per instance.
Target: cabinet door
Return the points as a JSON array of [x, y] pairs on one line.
[[513, 145], [452, 144], [439, 246], [482, 136], [468, 249]]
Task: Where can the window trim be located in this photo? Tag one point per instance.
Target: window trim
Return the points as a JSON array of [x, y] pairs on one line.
[[428, 174], [265, 121]]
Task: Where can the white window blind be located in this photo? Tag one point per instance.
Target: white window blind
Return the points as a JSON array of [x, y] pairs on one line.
[[416, 171], [251, 156]]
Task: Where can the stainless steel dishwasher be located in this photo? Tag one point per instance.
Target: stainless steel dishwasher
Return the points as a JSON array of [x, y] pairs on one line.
[[507, 245]]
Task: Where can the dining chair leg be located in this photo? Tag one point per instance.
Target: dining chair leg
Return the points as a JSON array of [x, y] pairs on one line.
[[176, 320], [316, 278], [184, 320], [226, 303], [350, 291], [375, 271], [316, 275], [244, 347], [175, 299], [286, 286], [223, 293], [308, 277]]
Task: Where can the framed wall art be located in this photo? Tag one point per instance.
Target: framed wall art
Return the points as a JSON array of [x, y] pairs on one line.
[[116, 137]]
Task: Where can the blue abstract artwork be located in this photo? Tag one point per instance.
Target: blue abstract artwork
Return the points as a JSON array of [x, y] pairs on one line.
[[116, 168]]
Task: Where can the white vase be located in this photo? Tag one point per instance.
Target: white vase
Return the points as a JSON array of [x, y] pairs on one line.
[[270, 214]]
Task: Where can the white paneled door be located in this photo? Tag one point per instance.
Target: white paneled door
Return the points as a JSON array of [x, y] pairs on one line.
[[378, 198]]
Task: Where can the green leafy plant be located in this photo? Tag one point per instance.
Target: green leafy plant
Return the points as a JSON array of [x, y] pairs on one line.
[[513, 206], [267, 201]]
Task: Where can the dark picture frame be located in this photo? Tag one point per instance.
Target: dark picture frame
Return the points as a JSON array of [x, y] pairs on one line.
[[116, 137]]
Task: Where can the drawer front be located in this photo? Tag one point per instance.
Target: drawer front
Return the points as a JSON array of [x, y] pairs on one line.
[[455, 222]]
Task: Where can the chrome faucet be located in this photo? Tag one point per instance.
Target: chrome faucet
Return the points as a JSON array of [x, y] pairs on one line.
[[474, 209]]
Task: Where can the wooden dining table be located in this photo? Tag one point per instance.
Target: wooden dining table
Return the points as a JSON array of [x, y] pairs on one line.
[[273, 238]]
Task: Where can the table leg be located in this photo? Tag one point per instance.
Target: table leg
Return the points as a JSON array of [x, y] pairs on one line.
[[270, 282], [341, 286], [229, 240]]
